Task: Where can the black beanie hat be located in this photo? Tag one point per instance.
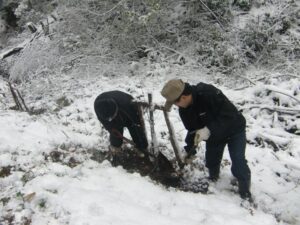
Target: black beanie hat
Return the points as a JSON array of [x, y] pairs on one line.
[[108, 109]]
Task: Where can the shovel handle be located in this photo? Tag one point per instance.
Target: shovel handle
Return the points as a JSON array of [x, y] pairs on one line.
[[117, 134], [173, 141]]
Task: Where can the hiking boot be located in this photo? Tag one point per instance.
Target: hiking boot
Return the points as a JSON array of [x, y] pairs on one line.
[[246, 196], [244, 190], [214, 174]]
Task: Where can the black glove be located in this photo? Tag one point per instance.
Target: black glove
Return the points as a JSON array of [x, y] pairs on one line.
[[190, 154]]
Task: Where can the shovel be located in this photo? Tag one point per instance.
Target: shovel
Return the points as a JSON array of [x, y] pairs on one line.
[[160, 162]]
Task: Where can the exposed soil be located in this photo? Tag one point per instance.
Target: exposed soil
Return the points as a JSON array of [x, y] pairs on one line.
[[161, 170], [5, 171]]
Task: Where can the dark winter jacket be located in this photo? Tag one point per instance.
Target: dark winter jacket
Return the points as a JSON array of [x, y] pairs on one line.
[[127, 111], [211, 108]]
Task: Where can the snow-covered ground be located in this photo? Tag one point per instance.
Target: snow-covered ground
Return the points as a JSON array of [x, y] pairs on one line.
[[51, 179]]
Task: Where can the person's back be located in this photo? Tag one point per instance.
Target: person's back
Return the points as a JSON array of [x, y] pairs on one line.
[[107, 103], [116, 110], [213, 109]]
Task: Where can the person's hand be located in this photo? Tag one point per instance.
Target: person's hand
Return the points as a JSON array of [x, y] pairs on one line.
[[201, 135], [190, 156]]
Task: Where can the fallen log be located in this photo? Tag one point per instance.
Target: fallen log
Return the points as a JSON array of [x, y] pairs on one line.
[[10, 52]]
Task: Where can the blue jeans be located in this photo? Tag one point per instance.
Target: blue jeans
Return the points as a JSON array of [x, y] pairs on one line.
[[236, 146]]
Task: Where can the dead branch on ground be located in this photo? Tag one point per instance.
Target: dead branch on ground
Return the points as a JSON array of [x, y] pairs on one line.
[[18, 99]]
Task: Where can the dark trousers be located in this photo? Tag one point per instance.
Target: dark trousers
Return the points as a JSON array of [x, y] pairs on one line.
[[236, 146], [137, 133]]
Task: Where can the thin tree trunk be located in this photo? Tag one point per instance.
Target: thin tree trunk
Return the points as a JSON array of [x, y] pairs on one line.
[[15, 97], [25, 106]]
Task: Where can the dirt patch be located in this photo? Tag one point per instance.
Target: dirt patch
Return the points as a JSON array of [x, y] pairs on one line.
[[62, 157], [5, 171], [160, 170]]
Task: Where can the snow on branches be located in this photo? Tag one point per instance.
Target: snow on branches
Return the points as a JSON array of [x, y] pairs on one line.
[[273, 112]]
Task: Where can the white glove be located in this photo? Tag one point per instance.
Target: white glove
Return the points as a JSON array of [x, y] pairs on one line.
[[201, 135]]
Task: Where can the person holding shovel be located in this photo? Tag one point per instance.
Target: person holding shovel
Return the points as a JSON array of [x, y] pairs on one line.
[[209, 116], [115, 110]]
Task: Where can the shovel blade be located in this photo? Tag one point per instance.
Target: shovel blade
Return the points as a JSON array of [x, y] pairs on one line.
[[164, 164]]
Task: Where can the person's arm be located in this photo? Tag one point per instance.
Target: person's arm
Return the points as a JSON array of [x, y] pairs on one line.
[[107, 125], [223, 113], [189, 139]]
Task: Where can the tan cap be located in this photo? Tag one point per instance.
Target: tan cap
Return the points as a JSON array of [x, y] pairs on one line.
[[171, 91]]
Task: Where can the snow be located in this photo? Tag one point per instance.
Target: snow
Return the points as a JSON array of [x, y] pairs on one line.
[[109, 195], [2, 26], [97, 193], [43, 186]]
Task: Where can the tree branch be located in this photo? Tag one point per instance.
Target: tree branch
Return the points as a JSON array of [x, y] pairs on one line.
[[277, 90], [246, 78], [285, 110], [103, 14], [15, 97], [212, 14]]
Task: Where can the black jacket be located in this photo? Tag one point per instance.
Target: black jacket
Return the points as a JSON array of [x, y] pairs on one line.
[[127, 111], [211, 108]]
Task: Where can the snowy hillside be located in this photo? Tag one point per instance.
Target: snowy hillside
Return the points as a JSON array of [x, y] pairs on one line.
[[49, 170], [51, 179]]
